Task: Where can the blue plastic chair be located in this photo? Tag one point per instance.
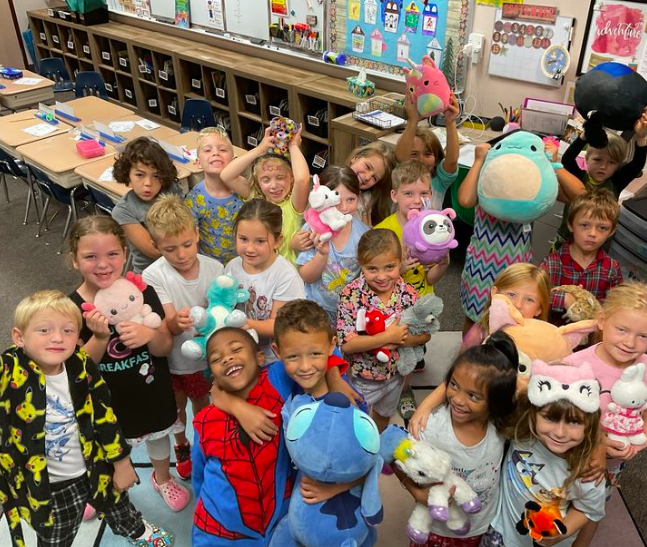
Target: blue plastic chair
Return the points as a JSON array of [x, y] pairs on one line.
[[54, 69], [90, 83], [10, 166], [197, 115], [102, 202]]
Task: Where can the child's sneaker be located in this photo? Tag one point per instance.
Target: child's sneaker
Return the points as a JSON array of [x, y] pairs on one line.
[[89, 512], [183, 465], [407, 405], [153, 536], [175, 495]]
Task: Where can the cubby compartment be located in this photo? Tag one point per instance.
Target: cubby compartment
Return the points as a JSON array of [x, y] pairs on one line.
[[223, 120], [316, 155], [53, 38], [165, 70], [38, 32], [274, 101], [193, 82], [217, 82], [82, 44], [151, 99], [73, 66], [145, 66], [170, 105], [112, 86], [252, 133], [126, 90], [104, 51], [314, 117], [120, 55], [249, 99], [86, 64], [66, 36]]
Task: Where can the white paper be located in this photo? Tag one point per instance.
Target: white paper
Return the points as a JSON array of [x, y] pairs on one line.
[[121, 127], [466, 155], [40, 129], [190, 154], [28, 81], [546, 106], [216, 16], [106, 176], [147, 124]]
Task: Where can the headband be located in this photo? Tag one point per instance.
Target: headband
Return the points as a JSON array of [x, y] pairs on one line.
[[576, 384]]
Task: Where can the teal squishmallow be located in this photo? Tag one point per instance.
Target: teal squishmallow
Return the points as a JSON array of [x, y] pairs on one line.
[[517, 182]]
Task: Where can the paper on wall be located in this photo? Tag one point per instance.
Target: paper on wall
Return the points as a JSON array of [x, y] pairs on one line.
[[40, 129], [214, 9]]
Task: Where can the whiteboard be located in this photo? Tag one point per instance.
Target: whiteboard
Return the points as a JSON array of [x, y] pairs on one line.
[[523, 62], [163, 9], [249, 18]]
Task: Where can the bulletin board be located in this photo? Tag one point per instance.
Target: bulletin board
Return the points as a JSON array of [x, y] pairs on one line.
[[517, 46], [616, 31]]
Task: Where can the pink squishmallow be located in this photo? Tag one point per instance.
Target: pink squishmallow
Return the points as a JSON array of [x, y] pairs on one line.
[[429, 235], [428, 86]]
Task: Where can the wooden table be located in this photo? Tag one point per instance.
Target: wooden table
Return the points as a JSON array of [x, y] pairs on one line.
[[58, 158], [15, 95], [161, 133], [12, 130], [91, 172], [94, 108]]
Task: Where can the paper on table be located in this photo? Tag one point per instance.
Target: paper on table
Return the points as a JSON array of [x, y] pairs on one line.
[[121, 127], [147, 124], [106, 176], [466, 155], [28, 81], [40, 129], [190, 154]]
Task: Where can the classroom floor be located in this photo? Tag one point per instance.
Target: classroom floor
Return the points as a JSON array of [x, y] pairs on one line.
[[29, 264]]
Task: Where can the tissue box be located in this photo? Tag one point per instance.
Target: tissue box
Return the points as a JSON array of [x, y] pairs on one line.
[[90, 149], [360, 88]]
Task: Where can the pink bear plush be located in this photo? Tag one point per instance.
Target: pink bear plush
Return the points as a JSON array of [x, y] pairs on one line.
[[429, 87]]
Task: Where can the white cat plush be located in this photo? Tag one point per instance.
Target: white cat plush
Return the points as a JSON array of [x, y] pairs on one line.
[[323, 216]]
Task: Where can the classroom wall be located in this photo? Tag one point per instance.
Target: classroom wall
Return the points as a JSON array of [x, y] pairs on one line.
[[490, 90]]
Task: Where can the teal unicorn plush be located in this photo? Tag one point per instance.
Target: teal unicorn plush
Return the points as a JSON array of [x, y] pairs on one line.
[[517, 182], [223, 295]]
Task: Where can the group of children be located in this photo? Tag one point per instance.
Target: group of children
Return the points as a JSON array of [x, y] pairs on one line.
[[77, 392]]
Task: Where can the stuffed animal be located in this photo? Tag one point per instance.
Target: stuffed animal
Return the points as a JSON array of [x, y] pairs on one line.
[[283, 129], [609, 95], [429, 235], [517, 182], [323, 216], [535, 339], [333, 442], [223, 295], [623, 420], [586, 306], [429, 87], [541, 521], [123, 302], [422, 317], [374, 322], [426, 465]]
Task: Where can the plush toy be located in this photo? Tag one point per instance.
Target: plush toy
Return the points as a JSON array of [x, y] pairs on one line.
[[586, 306], [517, 182], [422, 317], [223, 296], [123, 302], [536, 339], [374, 322], [426, 465], [609, 95], [333, 442], [623, 418], [541, 521], [429, 235], [323, 216], [283, 129], [429, 87]]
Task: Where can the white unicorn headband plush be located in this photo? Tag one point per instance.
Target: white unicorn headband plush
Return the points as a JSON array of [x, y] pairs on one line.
[[576, 384]]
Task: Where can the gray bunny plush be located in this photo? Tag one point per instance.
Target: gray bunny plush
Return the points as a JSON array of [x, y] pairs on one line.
[[421, 317]]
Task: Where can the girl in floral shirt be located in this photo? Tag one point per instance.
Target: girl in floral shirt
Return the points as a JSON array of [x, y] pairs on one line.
[[379, 288]]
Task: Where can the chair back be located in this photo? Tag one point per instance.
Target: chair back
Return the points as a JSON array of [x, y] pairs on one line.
[[101, 200], [9, 166], [90, 83], [50, 187], [54, 69], [197, 115]]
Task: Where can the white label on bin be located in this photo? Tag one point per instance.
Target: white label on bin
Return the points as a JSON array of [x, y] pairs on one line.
[[163, 75], [250, 99], [220, 92], [76, 73], [105, 55], [196, 83], [109, 87], [275, 111], [70, 45], [252, 141], [55, 39], [42, 36], [86, 50], [319, 162], [313, 121], [50, 12], [143, 69], [171, 110], [128, 93], [123, 61], [152, 103], [62, 15]]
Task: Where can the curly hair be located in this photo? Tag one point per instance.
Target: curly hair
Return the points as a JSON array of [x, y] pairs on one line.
[[144, 150]]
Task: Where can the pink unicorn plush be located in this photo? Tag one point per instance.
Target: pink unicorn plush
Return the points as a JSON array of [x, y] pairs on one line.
[[428, 86]]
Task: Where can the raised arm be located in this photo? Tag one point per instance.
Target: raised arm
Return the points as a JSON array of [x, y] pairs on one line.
[[300, 173], [467, 196], [450, 164], [405, 142]]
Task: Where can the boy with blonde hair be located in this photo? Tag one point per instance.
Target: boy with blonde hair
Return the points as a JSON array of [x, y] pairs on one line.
[[181, 278], [62, 445], [592, 219], [213, 204]]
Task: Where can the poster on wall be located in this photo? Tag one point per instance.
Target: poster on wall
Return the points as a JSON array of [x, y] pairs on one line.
[[615, 31]]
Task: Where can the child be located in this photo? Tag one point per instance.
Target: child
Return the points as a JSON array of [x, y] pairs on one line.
[[282, 182], [62, 445], [181, 278], [212, 203], [623, 323], [603, 167], [379, 287], [270, 279], [421, 144], [332, 264], [146, 168], [372, 164], [592, 219], [133, 362], [480, 396], [554, 438]]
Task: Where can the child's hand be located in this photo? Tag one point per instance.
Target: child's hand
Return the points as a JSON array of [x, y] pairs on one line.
[[322, 247], [411, 109], [615, 449], [184, 319], [640, 127], [124, 476], [135, 335], [408, 262], [98, 324], [338, 385], [452, 111], [397, 334], [269, 141], [481, 151], [257, 423], [314, 491], [418, 422], [296, 138], [301, 241], [551, 149]]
